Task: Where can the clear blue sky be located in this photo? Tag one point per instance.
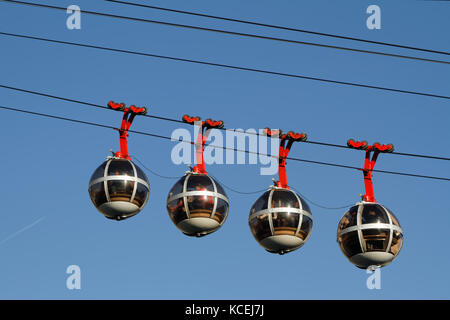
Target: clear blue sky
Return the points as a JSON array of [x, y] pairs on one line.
[[47, 164]]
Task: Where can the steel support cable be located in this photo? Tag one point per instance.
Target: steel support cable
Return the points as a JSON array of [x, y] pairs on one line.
[[248, 35], [220, 147], [289, 75], [281, 27], [230, 130], [322, 206]]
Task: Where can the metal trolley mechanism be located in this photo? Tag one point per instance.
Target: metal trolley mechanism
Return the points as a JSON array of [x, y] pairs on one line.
[[197, 204], [369, 234], [280, 220], [118, 188]]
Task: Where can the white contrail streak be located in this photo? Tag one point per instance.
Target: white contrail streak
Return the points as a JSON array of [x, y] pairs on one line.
[[21, 230]]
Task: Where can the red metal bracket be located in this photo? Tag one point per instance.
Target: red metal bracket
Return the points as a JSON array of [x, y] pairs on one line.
[[201, 138], [286, 141], [128, 117], [369, 163]]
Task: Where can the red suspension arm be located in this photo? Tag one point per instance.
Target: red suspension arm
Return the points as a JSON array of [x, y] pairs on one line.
[[369, 163], [201, 138], [127, 120], [286, 141]]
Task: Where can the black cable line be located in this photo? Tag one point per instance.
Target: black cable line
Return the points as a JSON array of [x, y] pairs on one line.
[[52, 96], [256, 36], [237, 191], [226, 129], [346, 147], [395, 152], [319, 205], [336, 165], [59, 118], [153, 172], [289, 75], [83, 122], [280, 27], [221, 147], [178, 177], [420, 155], [81, 102]]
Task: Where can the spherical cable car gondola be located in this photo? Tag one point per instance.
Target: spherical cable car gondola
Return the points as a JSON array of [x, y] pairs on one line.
[[118, 188], [369, 234], [197, 204], [280, 220]]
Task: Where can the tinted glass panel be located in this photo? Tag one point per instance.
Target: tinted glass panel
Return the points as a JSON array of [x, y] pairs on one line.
[[199, 183], [397, 242], [373, 213], [200, 206], [140, 173], [285, 223], [120, 167], [261, 203], [221, 210], [177, 188], [376, 239], [260, 226], [394, 218], [97, 193], [141, 195], [220, 189], [120, 190], [176, 210], [306, 227], [305, 206], [284, 199], [349, 219], [99, 172], [349, 243]]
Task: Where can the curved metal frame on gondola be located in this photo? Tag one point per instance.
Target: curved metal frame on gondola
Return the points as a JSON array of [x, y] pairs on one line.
[[217, 219], [112, 203], [283, 236], [370, 241]]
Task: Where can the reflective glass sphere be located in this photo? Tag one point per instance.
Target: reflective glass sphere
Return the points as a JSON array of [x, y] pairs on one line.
[[369, 234], [280, 220], [197, 204], [119, 189]]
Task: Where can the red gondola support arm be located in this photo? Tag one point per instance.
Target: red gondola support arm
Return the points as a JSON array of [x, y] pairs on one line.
[[127, 119], [286, 141], [369, 163], [202, 137]]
